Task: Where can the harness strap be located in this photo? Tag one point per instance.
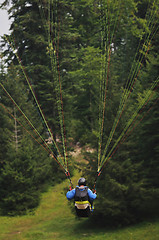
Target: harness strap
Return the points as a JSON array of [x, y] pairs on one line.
[[82, 202]]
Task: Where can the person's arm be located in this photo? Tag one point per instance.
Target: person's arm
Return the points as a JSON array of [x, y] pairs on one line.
[[91, 195], [70, 194]]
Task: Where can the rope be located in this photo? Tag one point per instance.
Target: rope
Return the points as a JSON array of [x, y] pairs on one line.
[[45, 148], [125, 97], [127, 134], [27, 119], [106, 65], [54, 57], [53, 47], [32, 91], [147, 97]]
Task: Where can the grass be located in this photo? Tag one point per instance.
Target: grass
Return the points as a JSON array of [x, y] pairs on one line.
[[53, 220]]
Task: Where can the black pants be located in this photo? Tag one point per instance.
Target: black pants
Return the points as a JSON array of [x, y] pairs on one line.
[[83, 212]]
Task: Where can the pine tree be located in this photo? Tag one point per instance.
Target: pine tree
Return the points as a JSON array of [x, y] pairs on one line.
[[25, 167], [29, 38]]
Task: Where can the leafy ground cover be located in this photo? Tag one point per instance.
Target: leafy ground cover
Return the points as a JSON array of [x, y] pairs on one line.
[[54, 220]]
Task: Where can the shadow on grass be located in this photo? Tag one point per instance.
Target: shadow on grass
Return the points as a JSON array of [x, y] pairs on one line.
[[94, 225]]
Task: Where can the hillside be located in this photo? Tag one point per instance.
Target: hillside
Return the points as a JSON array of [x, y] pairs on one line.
[[54, 220]]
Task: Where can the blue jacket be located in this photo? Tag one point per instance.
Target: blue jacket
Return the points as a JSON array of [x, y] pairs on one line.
[[70, 194]]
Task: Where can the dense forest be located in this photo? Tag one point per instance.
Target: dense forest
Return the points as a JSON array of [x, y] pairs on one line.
[[83, 72]]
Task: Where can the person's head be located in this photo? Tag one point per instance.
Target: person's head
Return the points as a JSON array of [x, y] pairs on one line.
[[82, 181]]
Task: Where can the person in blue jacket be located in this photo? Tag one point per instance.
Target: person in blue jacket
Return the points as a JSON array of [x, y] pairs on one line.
[[83, 198]]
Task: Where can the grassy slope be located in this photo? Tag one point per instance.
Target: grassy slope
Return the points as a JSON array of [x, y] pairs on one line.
[[54, 220]]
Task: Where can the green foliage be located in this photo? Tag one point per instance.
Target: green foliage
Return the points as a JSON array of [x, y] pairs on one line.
[[54, 220], [93, 48], [25, 168], [85, 94]]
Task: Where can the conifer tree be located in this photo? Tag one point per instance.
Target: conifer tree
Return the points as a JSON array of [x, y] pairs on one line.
[[25, 167], [29, 38]]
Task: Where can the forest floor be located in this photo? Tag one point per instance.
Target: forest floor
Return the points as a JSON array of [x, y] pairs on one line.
[[54, 220]]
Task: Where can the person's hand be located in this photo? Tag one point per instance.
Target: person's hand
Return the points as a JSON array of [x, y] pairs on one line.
[[94, 191]]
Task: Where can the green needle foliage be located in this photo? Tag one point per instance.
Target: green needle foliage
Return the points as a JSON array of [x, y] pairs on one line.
[[94, 68]]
